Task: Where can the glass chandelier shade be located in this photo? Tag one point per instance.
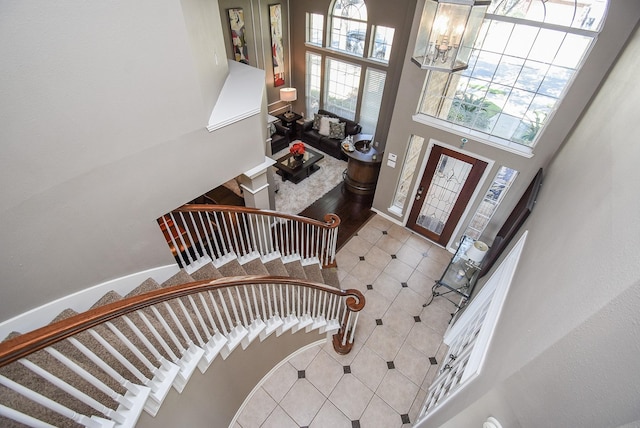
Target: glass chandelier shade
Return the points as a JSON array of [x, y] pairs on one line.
[[447, 33]]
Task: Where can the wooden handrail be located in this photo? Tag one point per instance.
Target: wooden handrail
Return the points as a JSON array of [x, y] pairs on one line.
[[21, 346], [331, 221]]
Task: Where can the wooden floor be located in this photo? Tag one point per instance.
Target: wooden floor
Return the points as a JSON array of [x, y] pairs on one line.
[[353, 210]]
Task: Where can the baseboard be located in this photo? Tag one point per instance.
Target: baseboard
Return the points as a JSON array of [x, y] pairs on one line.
[[82, 300]]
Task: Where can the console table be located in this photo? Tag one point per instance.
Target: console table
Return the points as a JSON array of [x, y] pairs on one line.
[[363, 166], [459, 277]]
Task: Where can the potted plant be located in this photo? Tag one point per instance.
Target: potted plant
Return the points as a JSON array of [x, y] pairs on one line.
[[297, 149]]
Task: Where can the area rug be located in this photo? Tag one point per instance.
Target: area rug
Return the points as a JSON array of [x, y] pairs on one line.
[[294, 198]]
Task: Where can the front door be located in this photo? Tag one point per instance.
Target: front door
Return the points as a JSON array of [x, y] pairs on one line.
[[447, 185]]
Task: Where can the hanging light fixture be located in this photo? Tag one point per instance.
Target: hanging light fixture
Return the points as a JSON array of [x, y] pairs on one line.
[[447, 33]]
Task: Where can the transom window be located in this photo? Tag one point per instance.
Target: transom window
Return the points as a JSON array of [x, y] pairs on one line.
[[522, 63]]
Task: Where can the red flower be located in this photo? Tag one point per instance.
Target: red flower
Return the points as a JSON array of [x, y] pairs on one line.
[[297, 149]]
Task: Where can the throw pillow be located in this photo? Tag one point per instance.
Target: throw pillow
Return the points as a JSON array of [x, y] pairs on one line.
[[325, 125], [336, 130], [272, 129], [316, 121]]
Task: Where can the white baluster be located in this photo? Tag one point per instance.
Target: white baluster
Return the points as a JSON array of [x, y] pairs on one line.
[[225, 331], [167, 329], [143, 339], [103, 366], [48, 403], [226, 310], [196, 311], [183, 262], [64, 386], [119, 398], [143, 359], [159, 338], [22, 418], [181, 238], [178, 323], [118, 356], [187, 315]]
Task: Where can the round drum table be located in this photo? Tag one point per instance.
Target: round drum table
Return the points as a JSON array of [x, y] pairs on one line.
[[363, 167]]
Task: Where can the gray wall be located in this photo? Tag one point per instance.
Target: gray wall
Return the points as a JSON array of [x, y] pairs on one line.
[[213, 398], [258, 36], [565, 353], [104, 109], [620, 22]]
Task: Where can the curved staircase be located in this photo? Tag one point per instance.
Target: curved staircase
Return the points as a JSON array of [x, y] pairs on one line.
[[105, 366]]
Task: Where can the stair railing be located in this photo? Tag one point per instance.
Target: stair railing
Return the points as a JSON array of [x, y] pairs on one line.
[[122, 358], [199, 234]]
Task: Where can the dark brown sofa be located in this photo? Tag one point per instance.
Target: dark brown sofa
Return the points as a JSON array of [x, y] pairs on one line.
[[330, 146]]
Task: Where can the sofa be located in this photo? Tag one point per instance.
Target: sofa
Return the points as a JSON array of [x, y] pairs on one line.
[[328, 142]]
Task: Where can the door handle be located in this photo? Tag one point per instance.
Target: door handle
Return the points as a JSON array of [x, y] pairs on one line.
[[419, 193]]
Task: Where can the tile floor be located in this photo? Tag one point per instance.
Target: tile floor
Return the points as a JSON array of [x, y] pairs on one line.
[[382, 382]]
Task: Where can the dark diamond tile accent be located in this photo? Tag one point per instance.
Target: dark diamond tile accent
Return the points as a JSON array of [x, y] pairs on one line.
[[390, 365], [301, 374], [378, 321], [417, 319], [384, 232], [346, 369], [355, 424], [369, 287], [404, 284], [362, 258], [433, 361], [393, 256], [405, 419]]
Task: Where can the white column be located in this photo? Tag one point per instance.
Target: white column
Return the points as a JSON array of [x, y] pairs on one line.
[[256, 185]]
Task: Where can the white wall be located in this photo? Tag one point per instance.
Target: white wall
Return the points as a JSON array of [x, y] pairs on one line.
[[104, 109], [565, 353]]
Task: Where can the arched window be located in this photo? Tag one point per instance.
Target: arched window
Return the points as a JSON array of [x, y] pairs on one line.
[[348, 26], [526, 56]]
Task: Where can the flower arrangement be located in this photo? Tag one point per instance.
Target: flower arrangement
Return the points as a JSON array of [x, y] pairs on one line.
[[297, 149]]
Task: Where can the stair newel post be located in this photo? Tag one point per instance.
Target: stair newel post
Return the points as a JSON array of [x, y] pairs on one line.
[[343, 339]]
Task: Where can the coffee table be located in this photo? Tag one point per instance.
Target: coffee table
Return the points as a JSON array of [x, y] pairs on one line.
[[297, 170]]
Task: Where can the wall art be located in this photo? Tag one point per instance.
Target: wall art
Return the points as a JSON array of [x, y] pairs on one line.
[[238, 35], [277, 49]]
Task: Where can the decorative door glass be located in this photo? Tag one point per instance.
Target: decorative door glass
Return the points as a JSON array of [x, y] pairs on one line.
[[446, 184]]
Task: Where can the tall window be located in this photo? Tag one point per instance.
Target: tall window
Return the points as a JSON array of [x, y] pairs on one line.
[[371, 99], [313, 81], [523, 61], [499, 186], [341, 88], [408, 171], [315, 28], [347, 74]]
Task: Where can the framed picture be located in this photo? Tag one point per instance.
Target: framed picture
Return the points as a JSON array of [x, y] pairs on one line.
[[238, 35], [277, 49]]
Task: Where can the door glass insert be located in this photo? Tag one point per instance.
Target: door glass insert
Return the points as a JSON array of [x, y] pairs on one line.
[[445, 187]]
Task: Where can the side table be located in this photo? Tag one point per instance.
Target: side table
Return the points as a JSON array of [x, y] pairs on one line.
[[363, 166], [290, 121]]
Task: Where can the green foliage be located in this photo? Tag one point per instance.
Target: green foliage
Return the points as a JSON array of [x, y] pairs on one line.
[[472, 111]]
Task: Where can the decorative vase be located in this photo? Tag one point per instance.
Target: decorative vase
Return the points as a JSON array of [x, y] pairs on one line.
[[298, 157]]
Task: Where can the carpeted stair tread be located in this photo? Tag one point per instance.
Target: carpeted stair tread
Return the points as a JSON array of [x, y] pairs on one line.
[[207, 271], [276, 268], [232, 268], [255, 267], [330, 276], [182, 277], [295, 270], [313, 273], [110, 297]]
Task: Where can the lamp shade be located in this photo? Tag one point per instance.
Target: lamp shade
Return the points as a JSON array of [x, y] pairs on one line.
[[288, 94]]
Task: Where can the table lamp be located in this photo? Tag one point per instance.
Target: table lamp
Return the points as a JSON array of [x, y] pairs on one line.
[[288, 95]]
